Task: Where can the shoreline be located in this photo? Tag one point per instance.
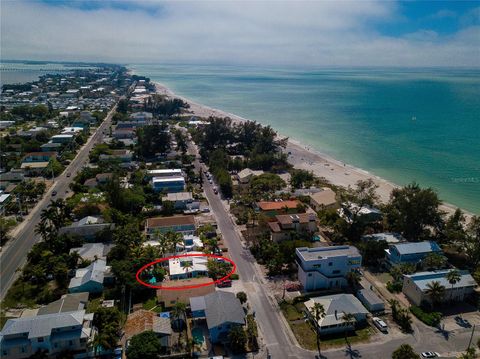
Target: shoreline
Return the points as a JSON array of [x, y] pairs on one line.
[[307, 158]]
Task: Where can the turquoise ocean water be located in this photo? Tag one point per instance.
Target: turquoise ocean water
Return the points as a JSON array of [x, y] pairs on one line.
[[399, 124]]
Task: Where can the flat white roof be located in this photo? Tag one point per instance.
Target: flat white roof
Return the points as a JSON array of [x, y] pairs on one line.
[[176, 267], [167, 179], [165, 171]]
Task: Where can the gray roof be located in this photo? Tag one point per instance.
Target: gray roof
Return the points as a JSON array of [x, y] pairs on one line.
[[335, 305], [417, 247], [370, 296], [94, 272], [309, 254], [92, 250], [162, 325], [421, 279], [68, 303], [197, 303], [42, 325], [223, 307]]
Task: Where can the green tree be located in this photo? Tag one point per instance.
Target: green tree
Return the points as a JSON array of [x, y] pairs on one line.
[[405, 351], [348, 319], [434, 261], [108, 321], [242, 297], [453, 278], [454, 230], [435, 291], [413, 211], [353, 279], [318, 312], [145, 345], [237, 339]]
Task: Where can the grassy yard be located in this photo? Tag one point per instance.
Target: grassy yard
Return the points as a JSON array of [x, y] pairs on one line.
[[305, 333], [359, 336], [290, 311]]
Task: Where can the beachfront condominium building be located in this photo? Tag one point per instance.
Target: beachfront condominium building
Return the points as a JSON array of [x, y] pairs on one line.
[[54, 333], [415, 286], [410, 252], [326, 267]]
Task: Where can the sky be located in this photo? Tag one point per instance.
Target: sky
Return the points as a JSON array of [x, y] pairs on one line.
[[315, 33]]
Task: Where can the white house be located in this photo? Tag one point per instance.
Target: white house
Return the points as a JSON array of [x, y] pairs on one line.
[[188, 267], [415, 286], [326, 267], [335, 307]]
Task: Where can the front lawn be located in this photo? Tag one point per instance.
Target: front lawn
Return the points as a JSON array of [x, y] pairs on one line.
[[306, 335]]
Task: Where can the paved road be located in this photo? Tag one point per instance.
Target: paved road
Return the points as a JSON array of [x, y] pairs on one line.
[[276, 335], [14, 256]]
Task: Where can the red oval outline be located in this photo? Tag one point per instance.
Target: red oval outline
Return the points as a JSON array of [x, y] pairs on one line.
[[185, 286]]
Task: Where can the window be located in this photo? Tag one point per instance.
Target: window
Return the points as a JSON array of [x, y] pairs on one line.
[[309, 274], [23, 349], [70, 342], [330, 264], [336, 271], [83, 340], [40, 340], [317, 266]]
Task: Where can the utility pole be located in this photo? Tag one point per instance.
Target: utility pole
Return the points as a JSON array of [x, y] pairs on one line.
[[471, 337]]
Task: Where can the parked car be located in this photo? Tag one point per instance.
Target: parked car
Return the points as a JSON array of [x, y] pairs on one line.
[[206, 210], [430, 355], [215, 190], [225, 283], [54, 193], [380, 324], [69, 174]]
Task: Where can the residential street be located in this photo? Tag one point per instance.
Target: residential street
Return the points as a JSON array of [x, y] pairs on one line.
[[14, 254], [276, 334]]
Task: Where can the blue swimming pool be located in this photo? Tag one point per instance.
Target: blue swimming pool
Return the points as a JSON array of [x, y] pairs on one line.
[[197, 334]]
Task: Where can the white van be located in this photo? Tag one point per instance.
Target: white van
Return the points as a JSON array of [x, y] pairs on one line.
[[380, 324]]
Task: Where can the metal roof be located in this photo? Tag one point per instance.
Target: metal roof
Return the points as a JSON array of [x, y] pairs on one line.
[[422, 279], [223, 307], [42, 325], [417, 247]]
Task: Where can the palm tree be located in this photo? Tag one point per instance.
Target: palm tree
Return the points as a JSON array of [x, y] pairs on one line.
[[187, 265], [163, 242], [348, 319], [318, 312], [435, 291], [179, 310], [174, 238], [453, 278], [353, 279]]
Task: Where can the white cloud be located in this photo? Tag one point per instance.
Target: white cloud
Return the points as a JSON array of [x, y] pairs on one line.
[[268, 32]]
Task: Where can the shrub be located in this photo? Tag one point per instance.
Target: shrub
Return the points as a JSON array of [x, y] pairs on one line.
[[429, 318], [234, 276], [395, 287], [300, 299]]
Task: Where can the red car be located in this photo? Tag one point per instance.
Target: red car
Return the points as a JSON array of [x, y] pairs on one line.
[[225, 283]]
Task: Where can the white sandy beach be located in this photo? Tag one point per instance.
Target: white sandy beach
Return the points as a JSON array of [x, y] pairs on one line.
[[304, 157]]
